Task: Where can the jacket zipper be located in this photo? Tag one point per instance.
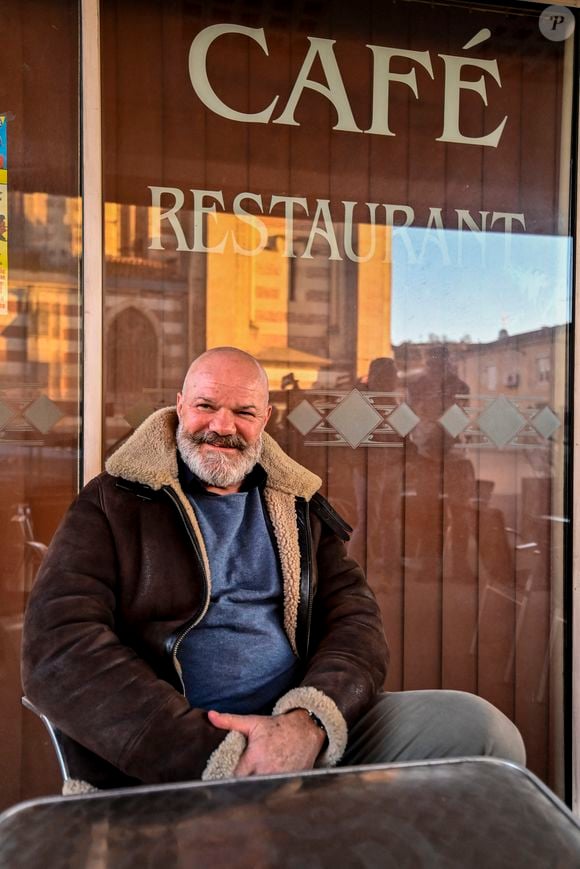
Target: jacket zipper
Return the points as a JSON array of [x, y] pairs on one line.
[[306, 568], [203, 609]]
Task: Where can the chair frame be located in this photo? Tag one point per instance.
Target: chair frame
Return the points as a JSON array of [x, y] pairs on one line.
[[54, 734]]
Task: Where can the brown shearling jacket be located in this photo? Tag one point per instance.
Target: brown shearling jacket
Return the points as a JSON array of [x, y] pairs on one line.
[[127, 573]]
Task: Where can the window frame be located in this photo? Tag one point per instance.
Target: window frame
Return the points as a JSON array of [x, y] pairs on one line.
[[93, 370]]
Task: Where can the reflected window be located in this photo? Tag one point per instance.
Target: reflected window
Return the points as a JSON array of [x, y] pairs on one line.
[[543, 369], [132, 355], [491, 377]]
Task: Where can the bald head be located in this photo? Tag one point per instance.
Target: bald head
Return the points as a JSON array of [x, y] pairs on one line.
[[221, 359]]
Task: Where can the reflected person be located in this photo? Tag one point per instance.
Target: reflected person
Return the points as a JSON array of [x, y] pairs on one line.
[[197, 614], [443, 478], [377, 478]]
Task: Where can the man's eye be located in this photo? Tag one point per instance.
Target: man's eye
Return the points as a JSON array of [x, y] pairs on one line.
[[245, 413]]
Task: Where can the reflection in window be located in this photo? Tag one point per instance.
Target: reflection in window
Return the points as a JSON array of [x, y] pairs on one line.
[[132, 355], [543, 369], [40, 342], [426, 417], [491, 377]]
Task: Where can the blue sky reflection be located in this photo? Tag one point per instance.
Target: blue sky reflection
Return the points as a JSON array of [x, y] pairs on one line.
[[456, 284]]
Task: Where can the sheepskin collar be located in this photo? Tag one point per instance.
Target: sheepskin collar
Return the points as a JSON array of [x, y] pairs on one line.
[[149, 457]]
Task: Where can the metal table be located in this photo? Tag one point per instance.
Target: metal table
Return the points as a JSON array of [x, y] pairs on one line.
[[456, 813]]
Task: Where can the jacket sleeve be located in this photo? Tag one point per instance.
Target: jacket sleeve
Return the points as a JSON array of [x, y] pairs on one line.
[[348, 655], [79, 673]]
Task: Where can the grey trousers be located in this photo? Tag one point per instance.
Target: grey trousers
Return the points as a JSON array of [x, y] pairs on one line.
[[423, 725]]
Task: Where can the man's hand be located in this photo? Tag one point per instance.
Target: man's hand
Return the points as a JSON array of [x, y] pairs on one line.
[[283, 743]]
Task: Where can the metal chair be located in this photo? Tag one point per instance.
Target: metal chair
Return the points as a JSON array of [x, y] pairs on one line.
[[70, 785]]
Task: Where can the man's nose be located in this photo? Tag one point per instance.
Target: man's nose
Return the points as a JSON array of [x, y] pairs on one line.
[[223, 422]]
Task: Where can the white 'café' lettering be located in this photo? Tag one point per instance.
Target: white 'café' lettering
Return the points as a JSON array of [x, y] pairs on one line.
[[334, 90]]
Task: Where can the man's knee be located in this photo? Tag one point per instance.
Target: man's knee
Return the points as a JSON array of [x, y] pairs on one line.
[[476, 727], [428, 724]]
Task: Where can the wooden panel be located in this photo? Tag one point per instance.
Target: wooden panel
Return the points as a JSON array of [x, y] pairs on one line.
[[459, 604], [424, 509], [182, 119], [139, 133], [385, 566], [533, 625], [541, 133], [269, 158], [498, 600], [41, 95]]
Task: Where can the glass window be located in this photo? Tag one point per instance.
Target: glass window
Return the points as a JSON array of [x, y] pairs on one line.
[[379, 212], [40, 321]]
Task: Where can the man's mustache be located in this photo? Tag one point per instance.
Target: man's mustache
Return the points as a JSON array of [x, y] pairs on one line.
[[210, 437]]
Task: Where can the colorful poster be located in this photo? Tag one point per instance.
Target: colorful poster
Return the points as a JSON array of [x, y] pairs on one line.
[[3, 216]]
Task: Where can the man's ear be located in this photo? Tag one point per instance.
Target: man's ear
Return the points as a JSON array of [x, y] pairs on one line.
[[179, 404], [268, 414]]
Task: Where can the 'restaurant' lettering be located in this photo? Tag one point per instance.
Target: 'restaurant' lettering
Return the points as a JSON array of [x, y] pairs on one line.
[[176, 227]]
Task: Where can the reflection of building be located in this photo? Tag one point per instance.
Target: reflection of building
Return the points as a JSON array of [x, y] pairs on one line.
[[528, 371], [41, 331], [319, 319], [314, 322], [516, 365], [507, 421], [311, 320], [40, 334]]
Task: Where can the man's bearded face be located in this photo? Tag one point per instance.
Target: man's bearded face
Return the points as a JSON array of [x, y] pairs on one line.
[[213, 467]]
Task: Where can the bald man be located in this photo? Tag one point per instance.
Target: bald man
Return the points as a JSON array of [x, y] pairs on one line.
[[197, 614]]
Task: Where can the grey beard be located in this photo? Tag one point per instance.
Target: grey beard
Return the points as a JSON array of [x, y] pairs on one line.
[[215, 468]]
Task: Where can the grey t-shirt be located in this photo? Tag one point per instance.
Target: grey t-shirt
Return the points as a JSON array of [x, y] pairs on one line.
[[238, 659]]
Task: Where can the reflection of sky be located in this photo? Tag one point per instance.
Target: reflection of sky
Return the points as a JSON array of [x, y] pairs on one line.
[[453, 284]]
